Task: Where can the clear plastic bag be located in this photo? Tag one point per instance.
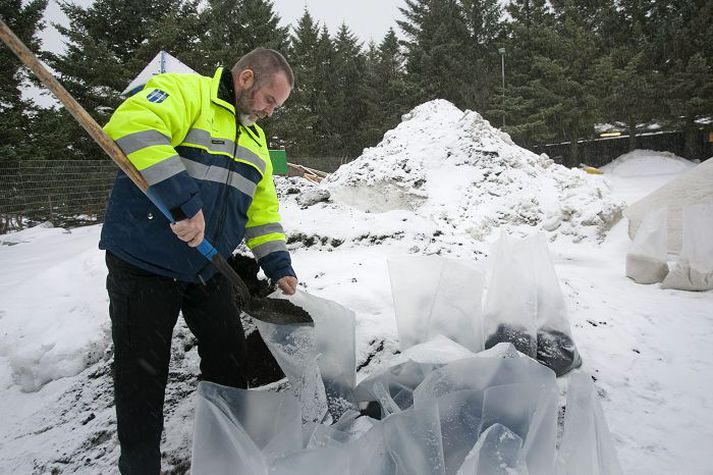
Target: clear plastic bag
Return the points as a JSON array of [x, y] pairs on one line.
[[393, 387], [555, 345], [433, 296], [525, 306], [319, 361], [497, 452], [587, 447], [499, 386], [241, 431], [511, 299]]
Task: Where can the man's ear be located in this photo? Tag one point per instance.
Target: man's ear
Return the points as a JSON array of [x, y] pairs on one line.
[[246, 79]]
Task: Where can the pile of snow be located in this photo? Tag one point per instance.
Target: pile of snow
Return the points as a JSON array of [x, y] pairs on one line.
[[453, 168], [646, 163], [53, 326]]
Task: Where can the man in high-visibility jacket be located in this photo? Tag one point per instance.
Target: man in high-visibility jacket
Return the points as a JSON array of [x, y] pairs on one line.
[[195, 141]]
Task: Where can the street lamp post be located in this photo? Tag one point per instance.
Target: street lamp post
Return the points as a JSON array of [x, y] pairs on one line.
[[502, 57]]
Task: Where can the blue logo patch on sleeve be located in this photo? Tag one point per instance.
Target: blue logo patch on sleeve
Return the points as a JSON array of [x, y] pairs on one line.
[[157, 96]]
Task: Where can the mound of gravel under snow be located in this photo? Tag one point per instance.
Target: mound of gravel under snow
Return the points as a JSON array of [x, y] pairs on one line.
[[454, 168]]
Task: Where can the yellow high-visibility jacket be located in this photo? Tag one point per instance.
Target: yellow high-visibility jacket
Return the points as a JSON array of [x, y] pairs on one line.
[[181, 132]]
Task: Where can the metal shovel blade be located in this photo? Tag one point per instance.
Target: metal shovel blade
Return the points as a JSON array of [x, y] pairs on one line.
[[278, 312], [275, 311]]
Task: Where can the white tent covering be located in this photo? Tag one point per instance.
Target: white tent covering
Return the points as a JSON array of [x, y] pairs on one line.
[[161, 63], [690, 188]]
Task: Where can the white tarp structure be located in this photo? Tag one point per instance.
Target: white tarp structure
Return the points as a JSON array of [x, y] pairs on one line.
[[691, 188], [694, 268], [161, 63], [646, 259]]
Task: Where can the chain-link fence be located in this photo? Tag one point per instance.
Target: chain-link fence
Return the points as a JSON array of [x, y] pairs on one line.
[[70, 193], [64, 192]]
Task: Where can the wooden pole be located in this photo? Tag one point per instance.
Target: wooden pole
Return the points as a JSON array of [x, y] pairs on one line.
[[86, 121]]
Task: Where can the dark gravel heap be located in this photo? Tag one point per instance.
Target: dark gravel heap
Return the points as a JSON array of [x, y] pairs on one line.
[[557, 351], [517, 335]]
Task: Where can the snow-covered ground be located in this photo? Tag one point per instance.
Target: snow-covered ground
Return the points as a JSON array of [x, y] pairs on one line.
[[442, 182]]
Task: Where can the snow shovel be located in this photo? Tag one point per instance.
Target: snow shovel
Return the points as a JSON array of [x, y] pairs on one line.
[[275, 311]]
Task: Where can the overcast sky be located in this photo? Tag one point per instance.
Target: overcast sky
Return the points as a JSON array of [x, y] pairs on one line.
[[368, 19]]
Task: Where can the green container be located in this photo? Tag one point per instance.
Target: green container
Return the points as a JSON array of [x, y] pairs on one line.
[[279, 162]]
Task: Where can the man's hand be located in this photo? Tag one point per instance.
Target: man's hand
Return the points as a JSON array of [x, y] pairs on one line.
[[288, 284], [190, 230]]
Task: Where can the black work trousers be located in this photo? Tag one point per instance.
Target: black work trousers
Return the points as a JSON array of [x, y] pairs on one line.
[[144, 309]]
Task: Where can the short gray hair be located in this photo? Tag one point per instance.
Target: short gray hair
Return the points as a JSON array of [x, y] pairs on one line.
[[265, 64]]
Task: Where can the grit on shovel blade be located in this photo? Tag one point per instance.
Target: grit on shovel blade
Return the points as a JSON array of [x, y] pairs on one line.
[[278, 312]]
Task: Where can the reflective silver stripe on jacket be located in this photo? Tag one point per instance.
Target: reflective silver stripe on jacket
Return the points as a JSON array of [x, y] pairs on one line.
[[257, 231], [200, 171], [203, 138], [140, 140], [250, 156], [264, 249], [163, 170]]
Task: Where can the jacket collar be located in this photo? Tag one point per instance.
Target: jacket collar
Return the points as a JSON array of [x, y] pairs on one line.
[[226, 87], [222, 90]]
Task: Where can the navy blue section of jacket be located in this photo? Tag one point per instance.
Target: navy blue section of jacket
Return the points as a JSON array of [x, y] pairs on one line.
[[136, 231], [277, 264]]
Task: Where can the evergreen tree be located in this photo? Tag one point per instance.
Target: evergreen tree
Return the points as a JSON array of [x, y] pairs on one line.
[[389, 96], [483, 19], [437, 55], [179, 33], [234, 28], [530, 15], [554, 95], [628, 89], [347, 93], [572, 93], [626, 73], [531, 37], [305, 121], [373, 117], [691, 98], [16, 112], [321, 97], [598, 17], [296, 121], [681, 40]]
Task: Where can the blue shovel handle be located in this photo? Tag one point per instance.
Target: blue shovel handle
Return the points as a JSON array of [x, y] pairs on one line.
[[205, 247]]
